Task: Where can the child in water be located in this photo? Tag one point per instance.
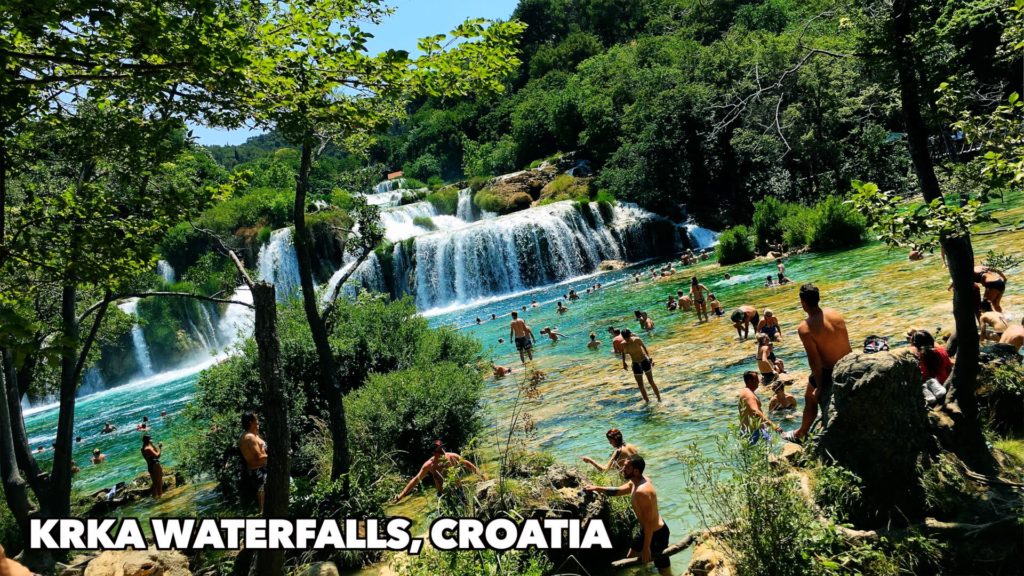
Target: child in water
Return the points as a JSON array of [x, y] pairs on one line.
[[594, 342]]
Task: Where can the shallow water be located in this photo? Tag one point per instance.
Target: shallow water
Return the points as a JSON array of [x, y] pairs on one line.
[[698, 366]]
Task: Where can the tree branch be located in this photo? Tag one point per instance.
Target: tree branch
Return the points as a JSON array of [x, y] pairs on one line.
[[341, 283], [87, 345]]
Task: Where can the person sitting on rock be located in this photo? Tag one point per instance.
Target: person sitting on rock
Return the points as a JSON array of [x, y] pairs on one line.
[[623, 452], [934, 363]]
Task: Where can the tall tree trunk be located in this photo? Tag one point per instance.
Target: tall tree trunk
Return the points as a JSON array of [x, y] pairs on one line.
[[58, 502], [22, 452], [330, 386], [275, 414], [15, 487], [968, 441]]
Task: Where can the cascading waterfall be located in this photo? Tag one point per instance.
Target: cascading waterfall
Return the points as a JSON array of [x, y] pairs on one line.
[[166, 271], [278, 264], [92, 382], [141, 349], [399, 222], [700, 238], [527, 249], [206, 326]]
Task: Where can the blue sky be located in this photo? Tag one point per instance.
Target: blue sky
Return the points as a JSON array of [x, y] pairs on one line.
[[412, 20]]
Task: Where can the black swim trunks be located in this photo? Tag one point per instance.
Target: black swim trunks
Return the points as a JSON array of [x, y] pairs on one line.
[[255, 480], [997, 285], [768, 378], [523, 343], [827, 375], [755, 320], [641, 367], [659, 541]]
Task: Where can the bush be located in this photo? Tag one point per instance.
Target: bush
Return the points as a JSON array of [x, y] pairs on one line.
[[767, 223], [475, 563], [796, 225], [489, 201], [445, 200], [425, 222], [423, 168], [489, 158], [734, 245], [413, 184], [10, 535], [435, 182], [423, 404], [837, 492], [566, 187], [835, 225], [476, 183]]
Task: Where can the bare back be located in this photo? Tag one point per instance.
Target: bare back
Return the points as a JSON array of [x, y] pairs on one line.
[[825, 338], [644, 499], [519, 327], [1014, 336]]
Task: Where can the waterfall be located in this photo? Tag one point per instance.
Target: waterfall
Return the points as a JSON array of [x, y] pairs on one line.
[[700, 238], [206, 327], [138, 338], [467, 211], [278, 264], [92, 382], [528, 249], [166, 271], [237, 322], [399, 222]]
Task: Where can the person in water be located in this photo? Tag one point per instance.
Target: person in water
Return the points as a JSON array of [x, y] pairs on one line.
[[561, 309], [554, 335], [1014, 336], [151, 454], [144, 426], [650, 544], [753, 423], [98, 457], [594, 342], [671, 305], [781, 400], [769, 325], [436, 467], [742, 318], [522, 335], [642, 363], [623, 452], [500, 371], [826, 341], [478, 320], [781, 267], [617, 341], [254, 453], [992, 324], [766, 360], [683, 301], [108, 428], [994, 283], [698, 293], [646, 323], [768, 282], [716, 306]]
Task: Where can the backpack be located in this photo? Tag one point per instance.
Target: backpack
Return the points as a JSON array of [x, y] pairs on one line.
[[874, 344]]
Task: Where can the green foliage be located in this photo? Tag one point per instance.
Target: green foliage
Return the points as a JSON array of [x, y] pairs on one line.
[[566, 187], [214, 273], [910, 223], [413, 184], [425, 222], [796, 225], [837, 492], [735, 245], [445, 200], [10, 534], [167, 324], [946, 488], [1001, 260], [490, 201], [776, 222], [488, 158], [424, 404], [477, 183], [477, 563], [1001, 396], [425, 167], [834, 225]]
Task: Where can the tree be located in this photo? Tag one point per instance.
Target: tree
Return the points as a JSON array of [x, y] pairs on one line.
[[312, 80]]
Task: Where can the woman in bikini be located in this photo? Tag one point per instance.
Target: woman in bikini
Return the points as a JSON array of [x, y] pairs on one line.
[[697, 293], [994, 282], [151, 454]]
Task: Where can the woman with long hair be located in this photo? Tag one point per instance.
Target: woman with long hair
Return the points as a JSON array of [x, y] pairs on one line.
[[697, 294], [935, 362], [151, 454]]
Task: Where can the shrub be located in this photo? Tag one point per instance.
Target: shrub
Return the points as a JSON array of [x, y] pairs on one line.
[[474, 563], [566, 187], [488, 158], [734, 245], [445, 200], [425, 222], [423, 168], [835, 225], [435, 182], [423, 404], [837, 492], [767, 223], [476, 183], [796, 225], [413, 184], [490, 201]]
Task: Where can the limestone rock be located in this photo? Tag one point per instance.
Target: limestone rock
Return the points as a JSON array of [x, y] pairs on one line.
[[876, 425], [150, 562], [609, 265], [322, 569], [708, 561], [790, 452], [998, 354]]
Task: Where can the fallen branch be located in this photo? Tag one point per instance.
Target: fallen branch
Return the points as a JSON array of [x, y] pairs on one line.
[[673, 549]]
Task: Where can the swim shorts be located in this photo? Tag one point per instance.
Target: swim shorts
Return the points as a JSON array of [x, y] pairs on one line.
[[659, 541], [256, 480], [523, 343], [641, 367], [768, 378]]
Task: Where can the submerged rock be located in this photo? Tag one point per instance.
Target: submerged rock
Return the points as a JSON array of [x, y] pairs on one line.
[[876, 425]]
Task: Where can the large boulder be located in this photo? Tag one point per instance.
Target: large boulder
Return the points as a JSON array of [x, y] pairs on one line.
[[876, 425], [515, 191], [150, 562]]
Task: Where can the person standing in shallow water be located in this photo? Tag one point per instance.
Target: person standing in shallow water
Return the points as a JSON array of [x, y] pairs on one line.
[[651, 542], [623, 452], [698, 294], [753, 423], [151, 454], [826, 341], [521, 334], [643, 364]]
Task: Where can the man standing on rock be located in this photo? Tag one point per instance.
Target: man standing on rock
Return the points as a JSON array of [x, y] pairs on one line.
[[651, 542], [254, 452], [522, 336], [642, 363], [826, 341]]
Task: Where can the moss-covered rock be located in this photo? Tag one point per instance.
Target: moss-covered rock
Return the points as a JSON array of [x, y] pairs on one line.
[[516, 191], [566, 187]]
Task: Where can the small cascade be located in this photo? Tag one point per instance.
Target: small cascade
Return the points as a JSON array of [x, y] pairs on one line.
[[467, 211], [206, 327], [700, 238], [399, 222], [92, 382], [278, 264], [528, 249], [141, 349], [166, 271], [389, 186], [237, 322]]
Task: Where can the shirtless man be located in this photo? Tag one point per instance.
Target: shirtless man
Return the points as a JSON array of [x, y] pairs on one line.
[[552, 334], [9, 567], [500, 371], [521, 334], [753, 422], [645, 321], [98, 457], [436, 467], [826, 341], [623, 452], [617, 340], [782, 271], [594, 342], [684, 302], [254, 451], [992, 323], [642, 363], [650, 544], [1014, 336], [561, 309], [742, 318]]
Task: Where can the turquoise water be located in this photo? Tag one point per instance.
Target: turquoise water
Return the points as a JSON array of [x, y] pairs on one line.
[[698, 366]]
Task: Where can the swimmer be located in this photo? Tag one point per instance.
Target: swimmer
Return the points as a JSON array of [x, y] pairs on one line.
[[671, 305], [478, 320], [533, 304], [781, 400], [768, 282], [645, 321], [642, 363], [108, 428], [561, 309], [98, 457], [716, 306], [552, 334], [594, 342]]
